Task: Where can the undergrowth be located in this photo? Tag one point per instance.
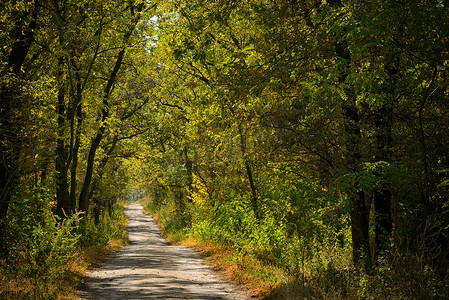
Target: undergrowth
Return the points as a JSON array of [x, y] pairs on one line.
[[277, 262], [47, 257]]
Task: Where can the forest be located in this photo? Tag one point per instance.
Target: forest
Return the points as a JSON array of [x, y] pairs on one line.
[[304, 144]]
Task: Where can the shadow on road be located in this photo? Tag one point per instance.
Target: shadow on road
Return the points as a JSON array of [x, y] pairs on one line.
[[150, 268]]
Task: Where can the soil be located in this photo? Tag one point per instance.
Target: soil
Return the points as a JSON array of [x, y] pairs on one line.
[[150, 268]]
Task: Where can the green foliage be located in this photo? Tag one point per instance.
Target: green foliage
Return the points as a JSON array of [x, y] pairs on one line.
[[172, 223], [44, 250], [268, 127], [230, 223], [41, 247], [109, 227], [285, 237], [387, 281], [293, 117]]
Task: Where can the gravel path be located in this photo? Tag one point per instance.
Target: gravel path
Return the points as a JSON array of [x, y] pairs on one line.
[[150, 268]]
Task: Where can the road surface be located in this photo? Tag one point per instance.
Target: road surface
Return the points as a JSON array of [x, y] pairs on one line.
[[150, 268]]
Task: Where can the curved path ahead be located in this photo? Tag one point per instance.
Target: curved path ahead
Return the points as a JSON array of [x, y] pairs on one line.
[[150, 268]]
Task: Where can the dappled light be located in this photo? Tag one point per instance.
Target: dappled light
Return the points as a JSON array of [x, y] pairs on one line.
[[150, 268], [301, 145]]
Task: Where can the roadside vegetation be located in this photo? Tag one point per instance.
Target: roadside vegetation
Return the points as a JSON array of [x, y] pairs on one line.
[[273, 263], [62, 175], [303, 142], [48, 256]]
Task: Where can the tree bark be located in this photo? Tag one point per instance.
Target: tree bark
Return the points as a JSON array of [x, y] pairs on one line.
[[361, 251], [98, 203], [62, 189], [83, 198], [359, 230], [9, 144], [77, 116], [382, 194], [75, 150], [24, 38], [249, 173]]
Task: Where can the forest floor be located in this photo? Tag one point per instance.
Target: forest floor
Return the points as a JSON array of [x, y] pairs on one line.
[[150, 268]]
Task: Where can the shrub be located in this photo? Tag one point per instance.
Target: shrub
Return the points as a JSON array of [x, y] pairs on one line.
[[40, 246]]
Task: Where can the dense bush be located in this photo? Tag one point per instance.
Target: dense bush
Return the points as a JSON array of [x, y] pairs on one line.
[[45, 253], [300, 247], [41, 247]]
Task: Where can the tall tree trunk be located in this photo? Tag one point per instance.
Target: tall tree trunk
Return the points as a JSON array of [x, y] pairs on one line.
[[75, 150], [98, 203], [78, 117], [9, 144], [62, 189], [249, 172], [83, 198], [382, 194], [361, 252]]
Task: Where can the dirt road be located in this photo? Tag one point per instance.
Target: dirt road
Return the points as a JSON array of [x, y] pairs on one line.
[[150, 268]]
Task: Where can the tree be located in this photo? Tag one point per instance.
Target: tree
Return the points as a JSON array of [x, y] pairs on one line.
[[24, 21], [135, 13], [317, 85]]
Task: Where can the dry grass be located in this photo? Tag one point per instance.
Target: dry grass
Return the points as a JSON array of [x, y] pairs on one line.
[[19, 285], [243, 269], [14, 286]]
